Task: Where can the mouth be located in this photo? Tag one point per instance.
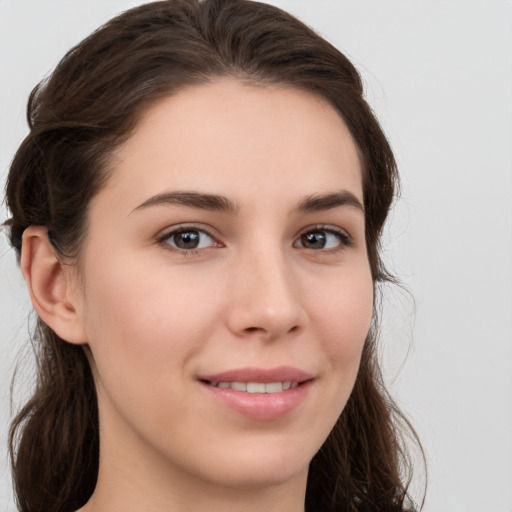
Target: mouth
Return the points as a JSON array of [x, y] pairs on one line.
[[256, 387], [259, 394], [258, 380]]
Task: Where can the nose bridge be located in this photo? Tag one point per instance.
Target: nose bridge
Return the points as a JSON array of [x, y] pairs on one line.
[[265, 298]]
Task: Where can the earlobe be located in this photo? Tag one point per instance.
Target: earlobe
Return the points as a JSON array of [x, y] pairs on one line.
[[50, 284]]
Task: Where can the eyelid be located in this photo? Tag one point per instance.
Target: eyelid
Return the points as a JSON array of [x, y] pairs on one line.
[[346, 240], [166, 233]]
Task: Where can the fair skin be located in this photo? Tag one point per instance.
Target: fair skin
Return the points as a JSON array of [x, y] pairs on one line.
[[179, 290]]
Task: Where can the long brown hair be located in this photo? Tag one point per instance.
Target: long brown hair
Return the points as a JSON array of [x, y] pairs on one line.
[[87, 107]]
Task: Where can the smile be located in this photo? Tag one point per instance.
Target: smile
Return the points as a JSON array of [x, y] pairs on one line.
[[256, 387], [259, 394]]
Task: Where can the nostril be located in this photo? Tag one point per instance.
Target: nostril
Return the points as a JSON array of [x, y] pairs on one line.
[[293, 329]]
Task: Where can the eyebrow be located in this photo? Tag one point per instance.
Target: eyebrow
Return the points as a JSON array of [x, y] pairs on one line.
[[321, 202], [210, 202], [218, 203]]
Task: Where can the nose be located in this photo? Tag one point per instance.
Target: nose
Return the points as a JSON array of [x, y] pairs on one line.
[[265, 299]]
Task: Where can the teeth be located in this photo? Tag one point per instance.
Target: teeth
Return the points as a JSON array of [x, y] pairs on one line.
[[257, 387], [273, 387]]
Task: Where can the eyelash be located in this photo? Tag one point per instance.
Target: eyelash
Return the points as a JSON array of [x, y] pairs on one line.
[[345, 240], [162, 239]]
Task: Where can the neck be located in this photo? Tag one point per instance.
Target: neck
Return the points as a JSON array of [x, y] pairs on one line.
[[128, 492], [134, 477]]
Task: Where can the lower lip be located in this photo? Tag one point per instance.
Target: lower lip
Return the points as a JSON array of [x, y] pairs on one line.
[[261, 406]]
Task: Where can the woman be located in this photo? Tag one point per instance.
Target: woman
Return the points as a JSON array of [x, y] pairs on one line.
[[197, 210]]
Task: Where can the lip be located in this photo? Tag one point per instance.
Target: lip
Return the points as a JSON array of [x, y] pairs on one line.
[[259, 406], [265, 375]]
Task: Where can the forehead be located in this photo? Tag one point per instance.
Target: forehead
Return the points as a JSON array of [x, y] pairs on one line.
[[229, 135]]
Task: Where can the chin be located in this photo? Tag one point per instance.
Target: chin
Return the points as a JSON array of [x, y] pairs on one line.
[[265, 476], [261, 468]]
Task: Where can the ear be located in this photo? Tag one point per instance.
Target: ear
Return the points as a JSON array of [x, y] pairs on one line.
[[52, 286]]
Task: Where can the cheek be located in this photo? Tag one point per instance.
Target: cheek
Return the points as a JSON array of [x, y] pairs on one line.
[[146, 316], [343, 314], [143, 327], [344, 309]]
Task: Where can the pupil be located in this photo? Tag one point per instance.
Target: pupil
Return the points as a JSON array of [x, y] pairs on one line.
[[315, 240], [187, 239]]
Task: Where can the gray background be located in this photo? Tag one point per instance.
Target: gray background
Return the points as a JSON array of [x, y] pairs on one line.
[[439, 76]]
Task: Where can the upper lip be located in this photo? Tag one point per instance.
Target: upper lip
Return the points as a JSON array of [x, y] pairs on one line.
[[264, 375]]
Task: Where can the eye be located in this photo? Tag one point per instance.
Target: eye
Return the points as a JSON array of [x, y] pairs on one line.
[[324, 239], [188, 239]]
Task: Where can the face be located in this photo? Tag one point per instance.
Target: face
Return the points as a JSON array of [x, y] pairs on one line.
[[226, 288]]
